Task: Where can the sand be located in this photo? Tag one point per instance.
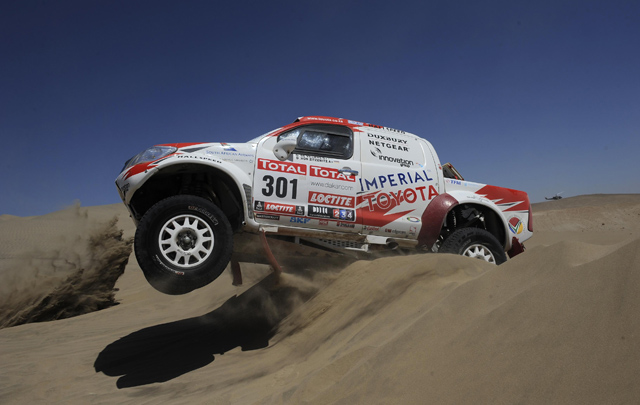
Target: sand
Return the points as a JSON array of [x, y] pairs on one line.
[[557, 324]]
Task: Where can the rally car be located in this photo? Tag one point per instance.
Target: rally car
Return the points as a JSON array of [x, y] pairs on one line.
[[329, 185]]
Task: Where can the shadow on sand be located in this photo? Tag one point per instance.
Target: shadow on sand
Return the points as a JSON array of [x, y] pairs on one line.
[[163, 352]]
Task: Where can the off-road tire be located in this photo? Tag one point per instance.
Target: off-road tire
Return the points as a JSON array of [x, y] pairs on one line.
[[474, 242], [183, 243]]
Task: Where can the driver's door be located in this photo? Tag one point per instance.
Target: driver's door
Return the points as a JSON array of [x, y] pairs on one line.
[[315, 187]]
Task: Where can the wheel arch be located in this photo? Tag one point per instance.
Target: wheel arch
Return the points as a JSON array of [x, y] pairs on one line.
[[436, 213], [224, 186]]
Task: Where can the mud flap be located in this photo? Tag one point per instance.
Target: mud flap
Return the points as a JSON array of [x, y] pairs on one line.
[[268, 254], [277, 270], [516, 248]]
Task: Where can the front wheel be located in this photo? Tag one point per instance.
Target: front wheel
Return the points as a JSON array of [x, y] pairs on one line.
[[183, 243], [474, 242]]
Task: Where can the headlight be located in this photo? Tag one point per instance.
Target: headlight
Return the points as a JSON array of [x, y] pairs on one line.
[[149, 155]]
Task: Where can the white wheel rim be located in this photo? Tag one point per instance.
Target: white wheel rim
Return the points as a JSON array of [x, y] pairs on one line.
[[479, 252], [186, 241]]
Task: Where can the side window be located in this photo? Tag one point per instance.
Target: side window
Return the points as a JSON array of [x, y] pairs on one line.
[[322, 140]]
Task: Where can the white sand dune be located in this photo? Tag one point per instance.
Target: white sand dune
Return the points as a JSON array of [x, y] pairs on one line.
[[557, 324]]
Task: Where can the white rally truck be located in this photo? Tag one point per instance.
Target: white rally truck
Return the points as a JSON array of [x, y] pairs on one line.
[[332, 184]]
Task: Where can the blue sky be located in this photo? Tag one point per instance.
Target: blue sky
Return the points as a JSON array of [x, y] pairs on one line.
[[542, 96]]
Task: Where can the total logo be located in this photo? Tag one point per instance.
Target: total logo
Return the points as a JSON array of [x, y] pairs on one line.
[[330, 173], [283, 167]]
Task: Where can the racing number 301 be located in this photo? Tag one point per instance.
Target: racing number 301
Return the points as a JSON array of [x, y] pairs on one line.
[[281, 187]]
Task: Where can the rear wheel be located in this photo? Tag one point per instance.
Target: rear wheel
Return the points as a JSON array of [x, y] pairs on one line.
[[183, 243], [476, 243]]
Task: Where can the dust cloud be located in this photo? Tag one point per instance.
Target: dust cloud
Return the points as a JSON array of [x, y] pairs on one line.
[[66, 277]]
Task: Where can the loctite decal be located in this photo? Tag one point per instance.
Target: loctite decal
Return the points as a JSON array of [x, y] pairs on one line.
[[278, 208], [284, 167], [331, 199]]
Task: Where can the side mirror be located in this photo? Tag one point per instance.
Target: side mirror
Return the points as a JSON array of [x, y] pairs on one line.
[[283, 149]]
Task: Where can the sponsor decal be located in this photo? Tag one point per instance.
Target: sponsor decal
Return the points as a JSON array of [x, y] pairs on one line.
[[516, 225], [385, 128], [378, 207], [346, 225], [385, 201], [330, 173], [394, 130], [387, 142], [326, 119], [371, 228], [198, 158], [297, 220], [317, 159], [355, 122], [394, 231], [377, 144], [402, 162], [268, 216], [413, 219], [413, 230], [373, 126], [317, 211], [323, 222], [383, 138], [228, 153], [331, 199], [283, 167], [394, 180], [228, 147], [337, 186], [278, 208]]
